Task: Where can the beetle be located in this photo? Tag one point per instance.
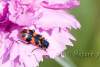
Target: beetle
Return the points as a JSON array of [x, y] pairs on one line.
[[31, 37]]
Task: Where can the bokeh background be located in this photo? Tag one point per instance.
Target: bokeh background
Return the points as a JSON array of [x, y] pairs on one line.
[[86, 52]]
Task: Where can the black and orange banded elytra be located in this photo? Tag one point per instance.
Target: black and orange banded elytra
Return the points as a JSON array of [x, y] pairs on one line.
[[31, 37]]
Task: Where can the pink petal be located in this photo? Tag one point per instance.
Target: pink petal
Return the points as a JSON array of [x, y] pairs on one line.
[[52, 19], [60, 4], [58, 41]]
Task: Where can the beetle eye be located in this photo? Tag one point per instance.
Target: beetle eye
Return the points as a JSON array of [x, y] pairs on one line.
[[29, 38]]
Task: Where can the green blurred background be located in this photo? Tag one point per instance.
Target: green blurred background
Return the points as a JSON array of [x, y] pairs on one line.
[[86, 52]]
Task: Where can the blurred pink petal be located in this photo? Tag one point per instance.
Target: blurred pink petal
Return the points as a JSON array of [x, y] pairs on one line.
[[58, 41], [52, 19], [60, 4]]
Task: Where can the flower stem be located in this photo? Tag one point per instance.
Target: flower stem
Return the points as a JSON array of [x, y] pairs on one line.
[[65, 62]]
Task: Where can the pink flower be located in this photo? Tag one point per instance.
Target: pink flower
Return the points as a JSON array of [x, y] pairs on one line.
[[46, 17]]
